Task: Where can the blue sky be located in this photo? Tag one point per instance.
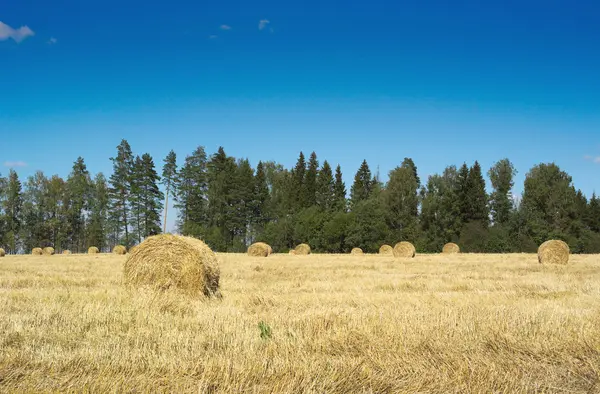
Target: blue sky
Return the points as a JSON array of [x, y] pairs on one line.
[[441, 82]]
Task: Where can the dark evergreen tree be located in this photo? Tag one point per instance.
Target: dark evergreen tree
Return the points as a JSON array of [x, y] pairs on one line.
[[13, 209], [261, 200], [501, 176], [298, 183], [462, 192], [169, 180], [79, 192], [410, 164], [310, 181], [325, 195], [363, 184], [221, 208], [97, 228], [150, 197], [191, 198], [401, 202], [120, 192], [339, 190], [477, 200]]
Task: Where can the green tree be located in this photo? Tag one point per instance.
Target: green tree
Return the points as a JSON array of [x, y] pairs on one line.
[[363, 184], [310, 181], [477, 200], [191, 198], [150, 197], [260, 201], [221, 207], [501, 176], [169, 178], [13, 207], [367, 229], [401, 202], [325, 194], [120, 191], [298, 183], [97, 228], [79, 190], [339, 190]]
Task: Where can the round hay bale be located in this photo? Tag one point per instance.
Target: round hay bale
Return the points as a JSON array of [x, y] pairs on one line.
[[356, 251], [553, 252], [37, 251], [302, 249], [66, 252], [292, 252], [259, 249], [132, 249], [270, 249], [93, 250], [169, 261], [2, 252], [119, 249], [450, 248], [48, 251], [386, 249], [404, 249]]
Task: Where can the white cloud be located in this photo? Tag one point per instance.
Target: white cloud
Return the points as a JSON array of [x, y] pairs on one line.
[[18, 35], [597, 159], [52, 41], [225, 27], [593, 159], [262, 24], [212, 37], [12, 164]]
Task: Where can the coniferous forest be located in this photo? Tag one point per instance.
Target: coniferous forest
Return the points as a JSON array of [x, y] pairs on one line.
[[229, 204]]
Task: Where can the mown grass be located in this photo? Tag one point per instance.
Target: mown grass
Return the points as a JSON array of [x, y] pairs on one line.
[[299, 324]]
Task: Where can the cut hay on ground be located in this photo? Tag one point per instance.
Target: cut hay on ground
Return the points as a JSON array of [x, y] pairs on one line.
[[93, 250], [48, 251], [404, 249], [451, 248], [259, 249], [2, 252], [302, 249], [37, 251], [119, 249], [553, 252], [356, 251], [386, 249], [66, 252], [169, 261]]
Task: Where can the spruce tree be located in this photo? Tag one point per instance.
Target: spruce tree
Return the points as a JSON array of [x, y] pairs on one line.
[[221, 205], [325, 196], [462, 192], [150, 197], [79, 190], [339, 190], [477, 197], [410, 164], [298, 183], [120, 191], [593, 216], [169, 178], [310, 181], [97, 228], [261, 199], [363, 184], [191, 198]]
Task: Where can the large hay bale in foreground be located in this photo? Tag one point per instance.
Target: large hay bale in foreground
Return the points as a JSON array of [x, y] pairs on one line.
[[2, 252], [37, 251], [386, 249], [93, 250], [120, 249], [259, 249], [48, 251], [66, 252], [132, 249], [169, 261], [404, 249], [450, 248], [553, 252], [356, 251], [302, 249]]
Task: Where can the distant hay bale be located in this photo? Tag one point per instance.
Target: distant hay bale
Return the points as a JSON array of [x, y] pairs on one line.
[[386, 249], [259, 249], [48, 251], [553, 252], [302, 249], [37, 251], [404, 249], [450, 248], [356, 251], [119, 249], [66, 252], [270, 249], [292, 251], [169, 261], [93, 250], [2, 252]]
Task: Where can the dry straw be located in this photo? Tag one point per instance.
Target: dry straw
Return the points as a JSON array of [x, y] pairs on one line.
[[48, 250], [167, 261], [37, 251], [259, 249], [553, 252], [66, 252], [356, 251], [386, 249], [404, 249], [292, 251], [132, 249], [2, 252], [451, 248], [302, 249], [119, 249], [93, 250]]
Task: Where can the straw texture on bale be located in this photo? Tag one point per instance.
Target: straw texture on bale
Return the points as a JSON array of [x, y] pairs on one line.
[[259, 249], [292, 251], [404, 249], [93, 250], [302, 249], [270, 249], [553, 252], [48, 250], [386, 249], [451, 248], [66, 252], [2, 252], [119, 249], [132, 249], [37, 251], [169, 261], [356, 251]]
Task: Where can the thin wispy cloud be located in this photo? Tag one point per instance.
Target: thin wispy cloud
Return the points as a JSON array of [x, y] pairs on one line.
[[212, 37], [593, 159], [263, 24], [17, 35], [13, 164], [52, 41], [225, 27]]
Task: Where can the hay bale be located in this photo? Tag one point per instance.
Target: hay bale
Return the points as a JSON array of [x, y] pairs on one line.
[[132, 249], [48, 251], [356, 251], [259, 249], [292, 252], [2, 252], [93, 250], [404, 249], [386, 249], [553, 252], [37, 251], [169, 261], [270, 249], [450, 248], [66, 252], [119, 249], [302, 249]]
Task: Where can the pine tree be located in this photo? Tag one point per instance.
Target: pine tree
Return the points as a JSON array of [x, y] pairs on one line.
[[325, 195], [242, 204], [502, 176], [477, 197], [150, 197], [221, 206], [462, 192], [593, 216], [120, 191], [191, 198], [169, 177], [298, 183], [339, 190], [97, 228], [363, 184], [79, 189], [310, 181], [261, 199], [13, 206], [135, 198]]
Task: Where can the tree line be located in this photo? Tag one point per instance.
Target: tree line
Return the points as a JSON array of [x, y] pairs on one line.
[[229, 204]]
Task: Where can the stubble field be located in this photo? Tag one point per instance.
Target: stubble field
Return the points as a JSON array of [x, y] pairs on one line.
[[300, 324]]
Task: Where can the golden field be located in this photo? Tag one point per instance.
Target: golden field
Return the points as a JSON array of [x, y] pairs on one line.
[[329, 323]]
